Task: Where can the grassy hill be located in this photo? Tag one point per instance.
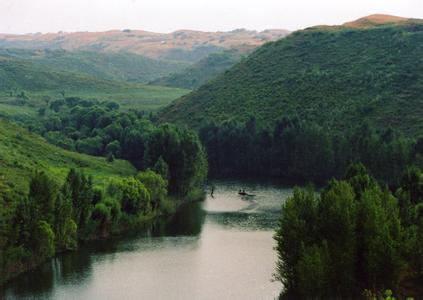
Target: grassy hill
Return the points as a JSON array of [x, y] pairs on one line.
[[109, 66], [21, 152], [25, 75], [201, 72], [39, 81], [336, 75]]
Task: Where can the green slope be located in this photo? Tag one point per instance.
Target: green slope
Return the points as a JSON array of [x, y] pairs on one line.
[[21, 152], [109, 66], [25, 75], [201, 72], [333, 75], [39, 81]]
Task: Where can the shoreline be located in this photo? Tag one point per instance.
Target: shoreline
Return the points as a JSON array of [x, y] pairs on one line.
[[194, 196]]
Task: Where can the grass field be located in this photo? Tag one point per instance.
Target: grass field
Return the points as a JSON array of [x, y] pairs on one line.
[[21, 152], [131, 96]]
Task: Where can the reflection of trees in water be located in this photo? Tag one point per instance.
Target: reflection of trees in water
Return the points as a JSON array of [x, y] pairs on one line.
[[69, 268], [75, 267], [188, 220], [33, 284]]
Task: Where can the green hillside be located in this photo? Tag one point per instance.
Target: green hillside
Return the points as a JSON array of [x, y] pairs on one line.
[[331, 75], [21, 152], [201, 72], [25, 75], [108, 66], [37, 81]]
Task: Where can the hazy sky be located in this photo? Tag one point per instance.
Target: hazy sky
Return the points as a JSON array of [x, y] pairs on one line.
[[22, 16]]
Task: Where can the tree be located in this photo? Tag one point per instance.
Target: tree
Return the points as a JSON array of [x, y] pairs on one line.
[[81, 192], [380, 237], [182, 152], [65, 227], [161, 168], [44, 240], [42, 197], [113, 148], [337, 225], [296, 230], [155, 184], [132, 194]]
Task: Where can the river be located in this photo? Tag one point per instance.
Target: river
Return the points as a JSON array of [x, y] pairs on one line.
[[221, 248]]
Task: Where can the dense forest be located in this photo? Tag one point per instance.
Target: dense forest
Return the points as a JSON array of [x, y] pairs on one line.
[[334, 76], [298, 151], [54, 215], [100, 129], [354, 239], [51, 218]]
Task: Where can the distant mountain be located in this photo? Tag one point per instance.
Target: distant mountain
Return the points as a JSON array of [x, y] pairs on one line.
[[200, 72], [334, 75], [182, 45]]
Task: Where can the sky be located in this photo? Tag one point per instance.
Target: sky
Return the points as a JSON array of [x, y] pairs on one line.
[[25, 16]]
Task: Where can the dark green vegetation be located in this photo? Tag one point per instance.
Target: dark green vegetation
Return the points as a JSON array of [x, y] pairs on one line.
[[99, 128], [332, 76], [200, 72], [52, 218], [45, 208], [299, 151], [107, 66], [355, 236]]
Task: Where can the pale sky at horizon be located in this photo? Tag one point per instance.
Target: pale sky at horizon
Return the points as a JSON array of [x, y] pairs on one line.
[[25, 16]]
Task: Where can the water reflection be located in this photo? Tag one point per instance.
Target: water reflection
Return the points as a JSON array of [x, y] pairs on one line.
[[188, 221], [217, 249]]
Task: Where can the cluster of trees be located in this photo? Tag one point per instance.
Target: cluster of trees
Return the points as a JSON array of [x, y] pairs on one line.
[[99, 128], [303, 151], [53, 218], [354, 236]]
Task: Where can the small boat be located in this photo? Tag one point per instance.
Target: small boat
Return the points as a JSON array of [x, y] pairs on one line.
[[243, 193]]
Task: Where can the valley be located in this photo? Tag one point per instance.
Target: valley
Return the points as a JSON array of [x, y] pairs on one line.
[[234, 164]]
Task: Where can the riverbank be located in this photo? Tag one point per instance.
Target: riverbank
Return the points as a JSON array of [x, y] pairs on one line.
[[219, 248], [169, 206]]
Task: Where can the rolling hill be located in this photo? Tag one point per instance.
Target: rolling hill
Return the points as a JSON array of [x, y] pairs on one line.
[[25, 75], [200, 72], [333, 75], [181, 45], [21, 152], [107, 66], [38, 81]]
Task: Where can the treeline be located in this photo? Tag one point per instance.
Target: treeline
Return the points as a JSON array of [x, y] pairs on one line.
[[52, 218], [355, 239], [300, 151], [99, 128]]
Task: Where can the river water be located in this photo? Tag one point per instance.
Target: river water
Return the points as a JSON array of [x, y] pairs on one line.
[[221, 248]]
